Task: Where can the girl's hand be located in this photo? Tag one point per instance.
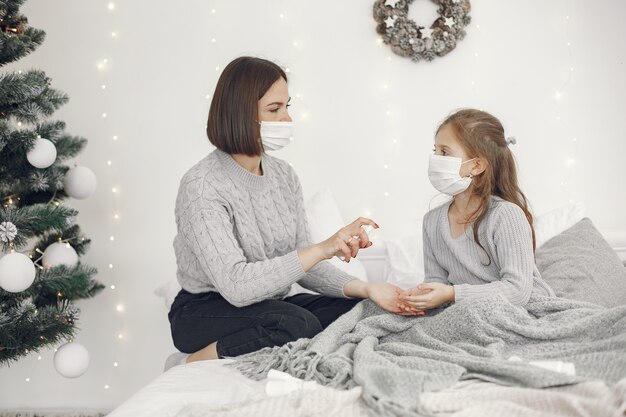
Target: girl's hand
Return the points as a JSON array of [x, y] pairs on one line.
[[428, 296], [348, 240]]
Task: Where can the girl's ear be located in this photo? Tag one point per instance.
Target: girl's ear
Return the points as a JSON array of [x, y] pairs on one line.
[[480, 164]]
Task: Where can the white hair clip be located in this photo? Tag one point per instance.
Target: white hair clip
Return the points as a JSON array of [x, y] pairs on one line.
[[511, 140]]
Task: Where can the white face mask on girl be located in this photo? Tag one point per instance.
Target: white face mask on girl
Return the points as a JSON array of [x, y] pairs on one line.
[[444, 173], [276, 135]]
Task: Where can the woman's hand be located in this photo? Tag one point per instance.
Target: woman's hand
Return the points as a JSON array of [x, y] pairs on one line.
[[427, 296], [385, 295], [348, 240]]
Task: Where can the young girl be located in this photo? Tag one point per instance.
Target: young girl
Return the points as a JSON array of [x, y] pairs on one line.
[[482, 241]]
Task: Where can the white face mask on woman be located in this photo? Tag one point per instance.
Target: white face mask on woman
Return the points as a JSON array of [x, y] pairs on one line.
[[444, 173], [276, 135]]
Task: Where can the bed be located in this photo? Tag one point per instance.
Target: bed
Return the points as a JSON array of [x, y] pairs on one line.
[[573, 246]]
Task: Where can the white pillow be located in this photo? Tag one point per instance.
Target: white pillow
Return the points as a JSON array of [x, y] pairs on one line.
[[404, 264], [552, 223], [168, 291], [324, 220]]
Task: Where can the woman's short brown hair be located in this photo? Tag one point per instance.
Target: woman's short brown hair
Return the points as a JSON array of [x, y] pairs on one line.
[[233, 118]]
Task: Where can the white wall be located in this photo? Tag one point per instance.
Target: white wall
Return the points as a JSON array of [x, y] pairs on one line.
[[162, 65]]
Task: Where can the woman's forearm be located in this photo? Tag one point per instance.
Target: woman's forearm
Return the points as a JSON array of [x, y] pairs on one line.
[[356, 288]]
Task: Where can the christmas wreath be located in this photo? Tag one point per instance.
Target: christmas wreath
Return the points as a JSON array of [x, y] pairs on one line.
[[407, 39]]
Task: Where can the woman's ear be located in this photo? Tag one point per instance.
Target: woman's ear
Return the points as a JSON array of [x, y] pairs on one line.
[[480, 164]]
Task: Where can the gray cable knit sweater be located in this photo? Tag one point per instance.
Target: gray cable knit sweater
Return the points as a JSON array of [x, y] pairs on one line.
[[506, 236], [238, 233]]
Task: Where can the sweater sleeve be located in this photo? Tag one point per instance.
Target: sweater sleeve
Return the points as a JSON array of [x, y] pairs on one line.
[[323, 278], [512, 238], [207, 230], [433, 271]]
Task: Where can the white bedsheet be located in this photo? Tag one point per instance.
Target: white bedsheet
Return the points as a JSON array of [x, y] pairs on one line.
[[205, 382], [203, 388]]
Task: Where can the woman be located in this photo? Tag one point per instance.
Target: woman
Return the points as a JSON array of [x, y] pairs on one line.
[[242, 235]]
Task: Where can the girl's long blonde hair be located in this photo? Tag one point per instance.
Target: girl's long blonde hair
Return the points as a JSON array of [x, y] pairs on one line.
[[482, 135]]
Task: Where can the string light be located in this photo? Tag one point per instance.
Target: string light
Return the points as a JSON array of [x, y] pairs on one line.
[[112, 287], [115, 364], [111, 6]]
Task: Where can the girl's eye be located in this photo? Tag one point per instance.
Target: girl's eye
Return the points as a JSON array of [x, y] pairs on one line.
[[274, 111]]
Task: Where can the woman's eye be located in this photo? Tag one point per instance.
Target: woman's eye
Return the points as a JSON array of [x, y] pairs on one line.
[[274, 111]]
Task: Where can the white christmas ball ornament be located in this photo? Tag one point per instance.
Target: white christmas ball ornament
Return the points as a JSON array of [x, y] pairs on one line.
[[80, 182], [71, 360], [59, 253], [43, 154], [17, 272]]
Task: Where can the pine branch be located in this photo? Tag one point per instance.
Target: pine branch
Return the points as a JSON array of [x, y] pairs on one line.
[[72, 234], [17, 39], [27, 328], [35, 220], [73, 283], [69, 146], [18, 177], [28, 96]]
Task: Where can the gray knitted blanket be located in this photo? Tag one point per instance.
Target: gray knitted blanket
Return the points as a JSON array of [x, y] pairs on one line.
[[395, 359]]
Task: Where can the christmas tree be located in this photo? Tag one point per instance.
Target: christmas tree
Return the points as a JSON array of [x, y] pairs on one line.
[[40, 271]]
